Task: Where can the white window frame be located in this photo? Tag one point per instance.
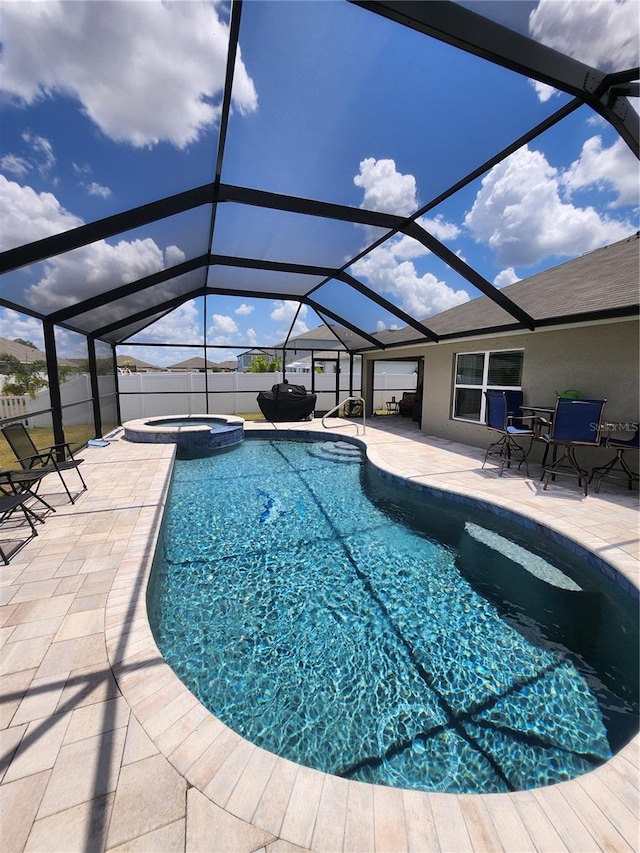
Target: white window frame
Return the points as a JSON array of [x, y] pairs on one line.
[[485, 383]]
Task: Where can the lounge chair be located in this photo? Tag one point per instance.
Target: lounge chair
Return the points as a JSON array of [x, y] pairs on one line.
[[26, 483], [11, 543], [56, 458], [405, 406]]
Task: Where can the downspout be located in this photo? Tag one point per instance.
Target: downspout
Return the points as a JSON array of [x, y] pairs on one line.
[[54, 382], [117, 387], [95, 390]]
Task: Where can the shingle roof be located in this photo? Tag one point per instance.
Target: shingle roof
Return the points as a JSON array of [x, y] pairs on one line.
[[24, 353], [196, 363], [604, 281], [30, 354]]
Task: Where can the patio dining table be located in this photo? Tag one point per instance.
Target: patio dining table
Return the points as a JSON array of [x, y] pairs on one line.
[[542, 418]]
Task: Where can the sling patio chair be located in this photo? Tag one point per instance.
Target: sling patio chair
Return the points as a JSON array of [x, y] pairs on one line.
[[618, 468], [12, 537], [26, 483], [576, 423], [504, 416], [57, 457]]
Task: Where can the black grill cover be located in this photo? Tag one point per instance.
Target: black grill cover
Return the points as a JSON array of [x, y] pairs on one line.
[[286, 402]]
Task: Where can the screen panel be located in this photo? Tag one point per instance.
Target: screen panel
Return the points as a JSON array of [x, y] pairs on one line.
[[363, 111]]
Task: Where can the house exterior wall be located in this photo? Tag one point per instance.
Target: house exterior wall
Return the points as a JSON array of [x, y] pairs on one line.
[[600, 360]]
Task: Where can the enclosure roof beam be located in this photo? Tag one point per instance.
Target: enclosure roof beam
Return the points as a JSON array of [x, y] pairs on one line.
[[75, 238], [451, 259], [154, 311], [319, 309], [308, 207], [102, 299], [472, 32], [388, 306]]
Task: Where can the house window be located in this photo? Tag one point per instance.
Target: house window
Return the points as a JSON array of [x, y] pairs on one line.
[[477, 372]]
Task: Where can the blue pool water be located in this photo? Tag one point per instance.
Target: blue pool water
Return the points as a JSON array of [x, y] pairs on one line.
[[308, 603], [211, 423]]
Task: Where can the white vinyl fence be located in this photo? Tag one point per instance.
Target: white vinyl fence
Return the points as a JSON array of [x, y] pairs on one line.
[[151, 394], [14, 407]]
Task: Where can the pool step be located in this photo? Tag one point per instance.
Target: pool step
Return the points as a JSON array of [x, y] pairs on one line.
[[531, 563], [505, 572], [337, 451]]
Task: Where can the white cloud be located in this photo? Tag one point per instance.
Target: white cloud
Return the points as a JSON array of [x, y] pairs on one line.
[[27, 215], [15, 165], [222, 330], [543, 90], [38, 155], [14, 325], [601, 33], [42, 152], [519, 213], [439, 227], [419, 295], [285, 310], [251, 337], [183, 324], [94, 269], [386, 189], [157, 69], [244, 310], [97, 189], [505, 277], [389, 268], [174, 256], [615, 167]]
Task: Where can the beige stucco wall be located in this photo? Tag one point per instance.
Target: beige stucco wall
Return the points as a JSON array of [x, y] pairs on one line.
[[600, 360]]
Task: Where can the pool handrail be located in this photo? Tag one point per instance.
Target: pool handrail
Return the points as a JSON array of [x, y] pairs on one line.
[[340, 426]]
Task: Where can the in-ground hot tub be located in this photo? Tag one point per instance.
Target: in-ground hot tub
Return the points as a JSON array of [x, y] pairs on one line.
[[193, 434]]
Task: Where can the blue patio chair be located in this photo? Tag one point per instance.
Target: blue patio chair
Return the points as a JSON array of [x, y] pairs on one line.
[[617, 468], [576, 423], [504, 415]]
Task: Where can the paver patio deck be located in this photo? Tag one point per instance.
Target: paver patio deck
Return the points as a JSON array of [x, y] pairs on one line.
[[103, 748]]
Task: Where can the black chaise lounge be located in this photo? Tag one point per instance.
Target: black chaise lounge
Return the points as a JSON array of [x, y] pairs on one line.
[[26, 483], [286, 402], [56, 458], [11, 536]]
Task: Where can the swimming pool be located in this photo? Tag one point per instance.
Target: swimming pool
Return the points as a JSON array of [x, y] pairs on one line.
[[308, 604]]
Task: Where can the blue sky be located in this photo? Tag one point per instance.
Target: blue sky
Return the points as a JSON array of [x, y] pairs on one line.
[[107, 105]]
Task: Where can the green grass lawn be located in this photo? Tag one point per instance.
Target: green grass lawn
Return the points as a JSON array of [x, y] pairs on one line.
[[77, 435]]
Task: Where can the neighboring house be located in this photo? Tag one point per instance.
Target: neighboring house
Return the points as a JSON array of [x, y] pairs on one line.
[[322, 337], [228, 366], [319, 347], [192, 365], [586, 338], [300, 347], [27, 355], [24, 353], [135, 365], [245, 358]]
